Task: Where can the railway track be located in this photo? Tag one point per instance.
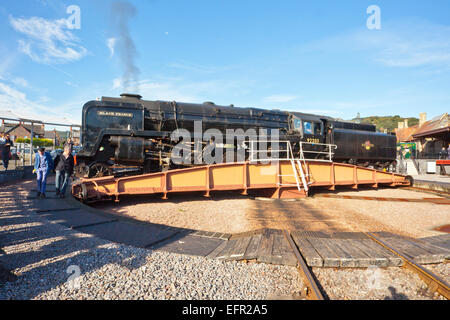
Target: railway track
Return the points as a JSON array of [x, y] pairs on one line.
[[312, 288], [434, 283], [313, 291], [442, 201], [436, 192]]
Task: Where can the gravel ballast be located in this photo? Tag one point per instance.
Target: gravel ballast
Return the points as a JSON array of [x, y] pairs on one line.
[[43, 256], [374, 284], [40, 259]]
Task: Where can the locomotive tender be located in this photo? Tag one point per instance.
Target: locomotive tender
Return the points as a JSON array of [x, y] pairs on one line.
[[129, 131]]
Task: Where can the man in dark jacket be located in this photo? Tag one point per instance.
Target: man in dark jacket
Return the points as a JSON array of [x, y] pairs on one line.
[[443, 153], [64, 169], [6, 150]]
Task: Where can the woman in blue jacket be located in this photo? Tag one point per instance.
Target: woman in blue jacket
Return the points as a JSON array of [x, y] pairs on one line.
[[43, 165]]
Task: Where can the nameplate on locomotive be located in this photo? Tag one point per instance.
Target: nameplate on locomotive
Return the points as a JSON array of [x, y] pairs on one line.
[[114, 114]]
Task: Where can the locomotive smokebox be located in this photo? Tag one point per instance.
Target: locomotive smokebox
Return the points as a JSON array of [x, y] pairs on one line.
[[129, 149]]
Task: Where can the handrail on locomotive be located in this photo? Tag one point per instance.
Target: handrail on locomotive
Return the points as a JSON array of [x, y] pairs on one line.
[[254, 150]]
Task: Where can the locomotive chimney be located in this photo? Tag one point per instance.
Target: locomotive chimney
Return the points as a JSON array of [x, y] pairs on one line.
[[131, 96]]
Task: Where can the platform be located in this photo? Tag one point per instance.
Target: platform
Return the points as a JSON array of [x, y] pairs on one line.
[[280, 179], [433, 182]]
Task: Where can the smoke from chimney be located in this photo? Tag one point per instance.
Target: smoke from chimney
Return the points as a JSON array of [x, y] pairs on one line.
[[122, 13]]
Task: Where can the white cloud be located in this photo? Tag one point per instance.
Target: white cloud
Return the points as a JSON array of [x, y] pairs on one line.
[[167, 91], [47, 41], [111, 43], [71, 84], [117, 84], [15, 102], [181, 89], [20, 82], [279, 98], [408, 43], [193, 67]]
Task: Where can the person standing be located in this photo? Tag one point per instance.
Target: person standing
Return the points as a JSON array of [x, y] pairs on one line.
[[2, 143], [69, 143], [6, 150], [43, 164], [443, 154], [64, 169]]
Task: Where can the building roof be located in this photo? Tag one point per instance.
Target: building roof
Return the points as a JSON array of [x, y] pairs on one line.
[[406, 134], [37, 129], [51, 134], [7, 127], [435, 127]]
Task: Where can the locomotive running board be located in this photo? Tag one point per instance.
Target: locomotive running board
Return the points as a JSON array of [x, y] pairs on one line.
[[244, 176]]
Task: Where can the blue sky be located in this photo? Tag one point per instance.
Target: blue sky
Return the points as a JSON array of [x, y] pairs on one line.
[[310, 56]]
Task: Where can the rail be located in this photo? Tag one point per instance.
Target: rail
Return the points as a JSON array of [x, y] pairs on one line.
[[313, 292], [433, 281]]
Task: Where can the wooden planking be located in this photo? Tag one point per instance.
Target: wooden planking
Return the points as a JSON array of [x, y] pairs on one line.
[[282, 252], [348, 235], [385, 234], [313, 259], [420, 252], [266, 247], [330, 258], [345, 259], [310, 234], [227, 250], [414, 252], [441, 241], [433, 249], [339, 249], [359, 258], [213, 254], [190, 245], [252, 248], [383, 257], [239, 248]]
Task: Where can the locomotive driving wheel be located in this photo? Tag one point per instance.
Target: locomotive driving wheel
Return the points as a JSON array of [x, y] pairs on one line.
[[98, 170]]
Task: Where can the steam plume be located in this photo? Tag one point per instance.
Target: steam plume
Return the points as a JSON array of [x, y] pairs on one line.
[[122, 13]]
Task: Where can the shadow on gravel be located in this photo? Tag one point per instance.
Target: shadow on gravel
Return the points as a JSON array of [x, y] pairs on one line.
[[395, 295], [6, 275], [40, 254], [174, 197], [292, 215]]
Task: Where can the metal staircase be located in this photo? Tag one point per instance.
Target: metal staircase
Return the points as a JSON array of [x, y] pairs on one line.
[[298, 164]]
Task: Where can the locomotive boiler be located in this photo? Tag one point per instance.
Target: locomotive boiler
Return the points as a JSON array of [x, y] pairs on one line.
[[131, 132]]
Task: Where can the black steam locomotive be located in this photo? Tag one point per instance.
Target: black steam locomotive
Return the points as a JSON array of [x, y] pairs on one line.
[[131, 132]]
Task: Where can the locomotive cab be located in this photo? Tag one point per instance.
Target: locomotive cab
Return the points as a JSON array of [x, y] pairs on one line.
[[310, 129]]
